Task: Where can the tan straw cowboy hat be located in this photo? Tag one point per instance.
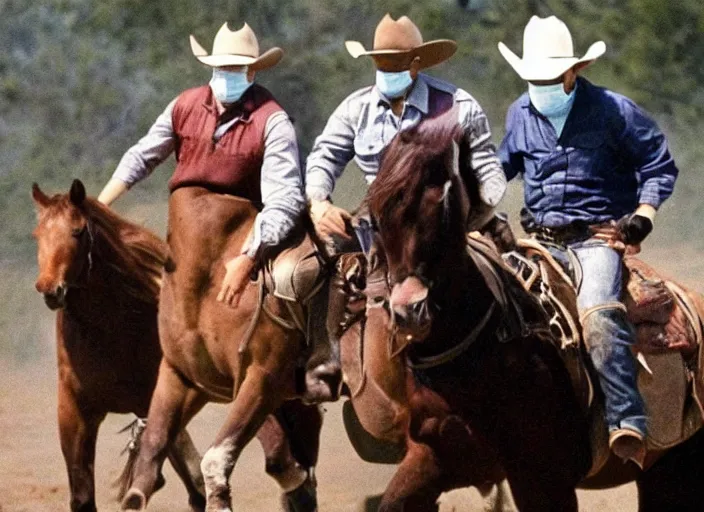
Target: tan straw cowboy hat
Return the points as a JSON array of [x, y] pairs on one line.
[[547, 50], [402, 39], [238, 48]]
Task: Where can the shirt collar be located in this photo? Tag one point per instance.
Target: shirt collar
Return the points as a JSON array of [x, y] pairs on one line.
[[417, 97], [242, 108]]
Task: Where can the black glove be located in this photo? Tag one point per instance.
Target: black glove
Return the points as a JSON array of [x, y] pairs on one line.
[[634, 228]]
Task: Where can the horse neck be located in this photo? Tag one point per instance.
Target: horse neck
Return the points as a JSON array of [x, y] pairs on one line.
[[466, 297], [105, 296]]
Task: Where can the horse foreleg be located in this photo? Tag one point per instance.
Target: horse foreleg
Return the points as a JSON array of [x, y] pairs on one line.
[[78, 431], [290, 440], [185, 459], [247, 413], [173, 405], [416, 485]]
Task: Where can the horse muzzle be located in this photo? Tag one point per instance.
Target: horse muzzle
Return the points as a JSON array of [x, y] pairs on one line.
[[54, 298], [409, 307]]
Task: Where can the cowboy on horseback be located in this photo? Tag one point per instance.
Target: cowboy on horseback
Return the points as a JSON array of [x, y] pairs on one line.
[[364, 124], [229, 137], [596, 168]]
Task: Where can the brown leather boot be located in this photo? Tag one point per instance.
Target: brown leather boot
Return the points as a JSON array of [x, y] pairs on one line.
[[628, 445], [323, 373]]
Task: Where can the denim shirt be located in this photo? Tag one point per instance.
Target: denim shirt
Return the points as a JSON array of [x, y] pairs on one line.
[[610, 157]]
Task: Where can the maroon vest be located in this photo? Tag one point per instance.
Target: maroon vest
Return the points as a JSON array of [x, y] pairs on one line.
[[232, 164]]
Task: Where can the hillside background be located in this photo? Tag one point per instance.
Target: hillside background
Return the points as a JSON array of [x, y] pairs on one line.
[[80, 81]]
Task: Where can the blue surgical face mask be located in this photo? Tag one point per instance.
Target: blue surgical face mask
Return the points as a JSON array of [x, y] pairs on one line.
[[550, 100], [229, 86], [393, 85]]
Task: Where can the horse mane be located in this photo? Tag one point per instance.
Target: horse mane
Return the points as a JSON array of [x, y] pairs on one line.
[[414, 158], [135, 253]]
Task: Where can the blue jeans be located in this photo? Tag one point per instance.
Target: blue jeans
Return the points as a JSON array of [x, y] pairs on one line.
[[608, 334]]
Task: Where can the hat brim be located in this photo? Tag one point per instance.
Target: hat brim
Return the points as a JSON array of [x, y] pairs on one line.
[[549, 68], [266, 60], [431, 53]]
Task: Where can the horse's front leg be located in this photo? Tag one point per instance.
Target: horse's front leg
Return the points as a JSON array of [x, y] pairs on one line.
[[416, 485], [254, 401], [78, 431], [290, 439], [185, 459], [172, 407]]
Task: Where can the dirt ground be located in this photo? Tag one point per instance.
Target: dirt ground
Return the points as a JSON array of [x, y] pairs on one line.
[[33, 479], [32, 475]]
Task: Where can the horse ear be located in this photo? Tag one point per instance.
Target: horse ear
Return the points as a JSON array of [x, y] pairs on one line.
[[77, 193], [40, 198]]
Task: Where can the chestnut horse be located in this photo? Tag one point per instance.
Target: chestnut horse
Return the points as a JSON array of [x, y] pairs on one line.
[[490, 361], [102, 274], [248, 355]]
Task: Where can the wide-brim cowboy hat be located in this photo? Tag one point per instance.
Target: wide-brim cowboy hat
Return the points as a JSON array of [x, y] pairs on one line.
[[239, 48], [401, 39], [548, 50]]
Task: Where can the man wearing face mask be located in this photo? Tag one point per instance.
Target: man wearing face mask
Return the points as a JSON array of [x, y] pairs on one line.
[[229, 136], [367, 120], [596, 168]]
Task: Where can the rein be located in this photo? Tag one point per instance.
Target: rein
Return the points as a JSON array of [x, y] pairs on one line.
[[425, 362]]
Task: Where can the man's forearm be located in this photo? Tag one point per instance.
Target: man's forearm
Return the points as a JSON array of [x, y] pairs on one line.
[[112, 190]]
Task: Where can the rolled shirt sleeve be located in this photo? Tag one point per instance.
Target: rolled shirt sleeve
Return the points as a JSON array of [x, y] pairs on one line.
[[483, 159], [332, 151], [281, 185], [151, 150], [646, 147]]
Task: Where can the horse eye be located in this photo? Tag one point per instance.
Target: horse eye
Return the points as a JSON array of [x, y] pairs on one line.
[[76, 232]]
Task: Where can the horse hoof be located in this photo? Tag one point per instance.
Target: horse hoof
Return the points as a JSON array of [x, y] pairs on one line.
[[303, 498], [197, 503], [134, 500]]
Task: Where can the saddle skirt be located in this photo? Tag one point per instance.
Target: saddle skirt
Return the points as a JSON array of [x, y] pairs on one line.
[[668, 323]]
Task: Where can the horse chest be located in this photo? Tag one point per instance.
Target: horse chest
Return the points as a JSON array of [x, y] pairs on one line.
[[110, 367]]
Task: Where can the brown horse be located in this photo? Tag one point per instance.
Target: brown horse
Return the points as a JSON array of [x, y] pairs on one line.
[[248, 355], [390, 418], [102, 275], [480, 344]]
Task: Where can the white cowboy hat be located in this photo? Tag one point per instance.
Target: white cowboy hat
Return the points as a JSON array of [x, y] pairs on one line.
[[402, 39], [547, 50], [238, 48]]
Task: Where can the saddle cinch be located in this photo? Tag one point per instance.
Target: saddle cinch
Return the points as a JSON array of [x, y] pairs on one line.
[[668, 323]]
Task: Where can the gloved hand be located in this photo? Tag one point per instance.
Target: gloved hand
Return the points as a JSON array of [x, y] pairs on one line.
[[634, 228]]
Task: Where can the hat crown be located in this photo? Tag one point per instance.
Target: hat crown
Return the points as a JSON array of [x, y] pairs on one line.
[[546, 38], [401, 34], [240, 42]]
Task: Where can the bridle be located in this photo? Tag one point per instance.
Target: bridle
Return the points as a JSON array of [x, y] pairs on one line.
[[87, 230]]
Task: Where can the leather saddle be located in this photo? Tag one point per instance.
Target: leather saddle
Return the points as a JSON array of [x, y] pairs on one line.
[[667, 320]]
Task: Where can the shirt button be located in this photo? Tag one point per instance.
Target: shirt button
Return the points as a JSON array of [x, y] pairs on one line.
[[558, 148]]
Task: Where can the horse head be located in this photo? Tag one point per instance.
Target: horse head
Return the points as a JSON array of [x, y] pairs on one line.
[[64, 241], [420, 205]]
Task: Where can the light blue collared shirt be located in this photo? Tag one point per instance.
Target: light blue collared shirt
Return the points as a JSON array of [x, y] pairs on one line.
[[364, 124]]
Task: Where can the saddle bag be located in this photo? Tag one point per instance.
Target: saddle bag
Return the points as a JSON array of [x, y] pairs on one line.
[[647, 297]]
